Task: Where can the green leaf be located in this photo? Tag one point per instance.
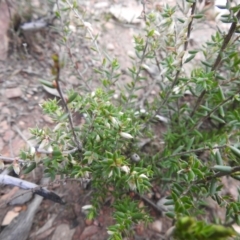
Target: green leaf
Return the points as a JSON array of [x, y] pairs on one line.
[[72, 97], [46, 83], [213, 187], [218, 158], [217, 119], [235, 151], [190, 58], [206, 64], [198, 16], [221, 168], [30, 168]]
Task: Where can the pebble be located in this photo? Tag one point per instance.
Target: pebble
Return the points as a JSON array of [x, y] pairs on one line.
[[101, 5], [110, 47], [47, 119], [157, 226], [8, 135], [88, 232], [13, 92], [63, 232], [3, 126]]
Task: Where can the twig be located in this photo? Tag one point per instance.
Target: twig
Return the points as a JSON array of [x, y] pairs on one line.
[[69, 49], [15, 128], [57, 68], [209, 178], [140, 66], [217, 61], [151, 203], [192, 151], [200, 121], [89, 31], [144, 10], [12, 159], [181, 64], [80, 180]]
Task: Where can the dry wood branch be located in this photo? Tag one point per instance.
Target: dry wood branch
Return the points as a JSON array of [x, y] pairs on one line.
[[8, 180]]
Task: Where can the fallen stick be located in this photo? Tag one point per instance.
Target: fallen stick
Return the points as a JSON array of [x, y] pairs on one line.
[[44, 192]]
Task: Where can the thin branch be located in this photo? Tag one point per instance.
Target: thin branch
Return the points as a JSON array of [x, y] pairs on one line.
[[192, 151], [217, 61], [200, 121], [88, 29], [209, 178], [151, 203], [175, 81], [69, 49], [140, 66], [57, 68]]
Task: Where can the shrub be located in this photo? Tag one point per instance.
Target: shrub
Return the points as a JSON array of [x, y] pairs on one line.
[[197, 97]]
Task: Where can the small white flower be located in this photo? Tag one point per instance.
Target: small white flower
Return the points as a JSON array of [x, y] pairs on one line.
[[86, 207], [50, 149], [107, 125], [32, 150], [110, 232], [132, 185], [110, 174], [162, 119], [93, 94], [114, 121], [126, 135], [88, 26], [143, 176], [125, 169], [97, 138], [157, 33], [72, 28]]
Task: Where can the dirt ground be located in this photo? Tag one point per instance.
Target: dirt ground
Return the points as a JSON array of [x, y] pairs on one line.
[[27, 60]]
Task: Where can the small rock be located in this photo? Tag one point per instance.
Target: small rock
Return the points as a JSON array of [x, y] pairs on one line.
[[73, 80], [131, 54], [8, 135], [47, 119], [63, 232], [126, 14], [88, 232], [5, 111], [110, 46], [157, 226], [109, 25], [21, 123], [101, 5], [3, 126], [13, 92]]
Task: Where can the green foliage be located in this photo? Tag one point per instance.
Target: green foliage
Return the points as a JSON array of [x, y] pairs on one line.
[[200, 138], [189, 228]]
